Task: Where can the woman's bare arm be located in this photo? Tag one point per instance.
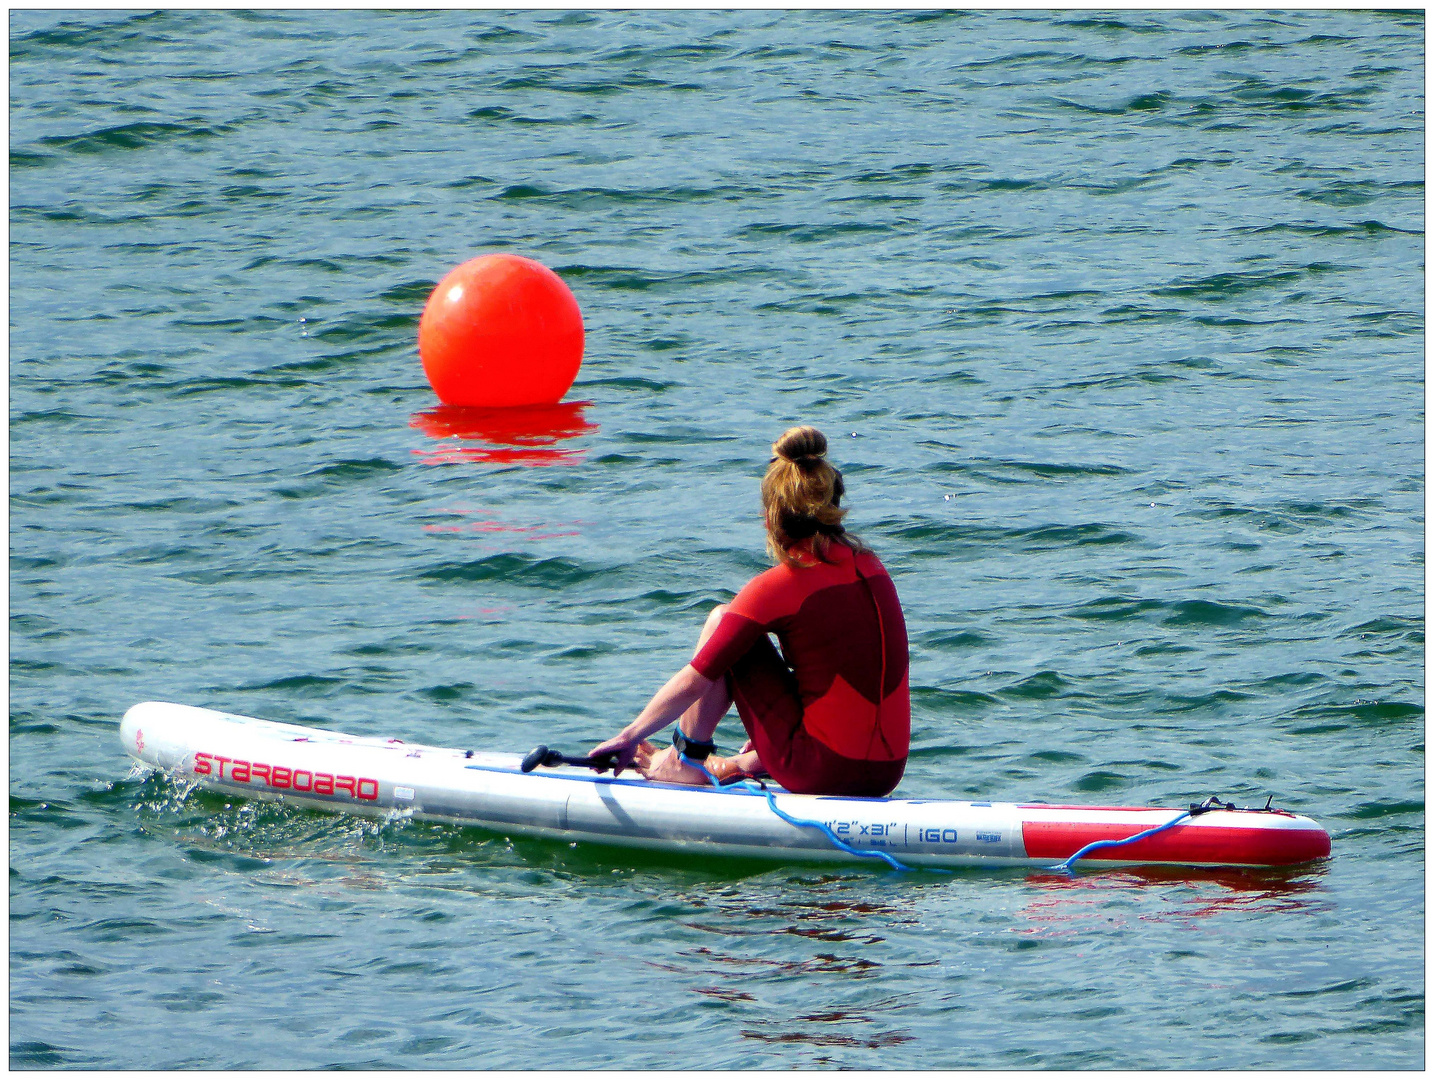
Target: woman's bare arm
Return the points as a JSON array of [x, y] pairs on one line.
[[674, 699]]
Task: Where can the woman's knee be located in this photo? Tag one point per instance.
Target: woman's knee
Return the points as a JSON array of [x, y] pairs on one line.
[[710, 626]]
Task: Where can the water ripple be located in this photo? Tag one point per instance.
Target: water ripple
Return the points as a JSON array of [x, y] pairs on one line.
[[1115, 320]]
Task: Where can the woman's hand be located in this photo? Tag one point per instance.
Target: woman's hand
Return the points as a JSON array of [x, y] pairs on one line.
[[625, 747]]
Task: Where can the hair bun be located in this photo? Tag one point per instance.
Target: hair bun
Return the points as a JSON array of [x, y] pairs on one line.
[[801, 497], [803, 446]]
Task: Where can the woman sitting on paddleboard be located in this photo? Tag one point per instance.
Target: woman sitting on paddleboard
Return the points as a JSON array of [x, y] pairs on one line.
[[830, 714]]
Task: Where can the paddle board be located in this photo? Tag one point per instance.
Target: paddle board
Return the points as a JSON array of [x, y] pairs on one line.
[[329, 770]]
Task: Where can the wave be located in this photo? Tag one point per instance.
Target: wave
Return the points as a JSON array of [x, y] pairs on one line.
[[946, 538], [1344, 193], [1235, 284], [554, 572], [1377, 810], [1212, 613], [1358, 230], [139, 135], [598, 198], [1016, 471], [1099, 780], [933, 700], [952, 639], [298, 685], [1404, 628], [1357, 713], [1042, 686], [632, 279]]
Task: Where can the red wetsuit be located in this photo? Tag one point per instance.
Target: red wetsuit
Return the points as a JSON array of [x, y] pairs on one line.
[[813, 717]]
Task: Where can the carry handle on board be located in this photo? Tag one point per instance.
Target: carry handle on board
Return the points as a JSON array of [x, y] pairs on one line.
[[541, 755]]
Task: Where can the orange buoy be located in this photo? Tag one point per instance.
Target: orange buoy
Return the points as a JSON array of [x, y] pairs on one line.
[[501, 331]]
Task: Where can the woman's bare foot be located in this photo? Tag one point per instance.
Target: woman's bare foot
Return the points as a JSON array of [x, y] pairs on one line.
[[666, 767], [750, 763], [723, 768], [738, 765]]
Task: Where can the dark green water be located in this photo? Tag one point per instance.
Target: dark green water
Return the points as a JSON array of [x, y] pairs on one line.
[[1116, 323]]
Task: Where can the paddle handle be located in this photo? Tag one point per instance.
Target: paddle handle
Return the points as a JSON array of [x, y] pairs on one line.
[[542, 756]]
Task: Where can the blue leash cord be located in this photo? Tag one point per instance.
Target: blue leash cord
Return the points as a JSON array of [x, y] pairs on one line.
[[1099, 844], [841, 845], [825, 830]]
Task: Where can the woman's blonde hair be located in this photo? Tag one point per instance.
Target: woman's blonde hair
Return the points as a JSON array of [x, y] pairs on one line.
[[801, 496]]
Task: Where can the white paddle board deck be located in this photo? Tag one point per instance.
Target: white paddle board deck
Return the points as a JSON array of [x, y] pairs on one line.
[[329, 770]]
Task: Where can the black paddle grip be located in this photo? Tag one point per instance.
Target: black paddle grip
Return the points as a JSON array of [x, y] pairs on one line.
[[542, 756]]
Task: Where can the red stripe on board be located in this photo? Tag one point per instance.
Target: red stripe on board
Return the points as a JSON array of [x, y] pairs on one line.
[[1216, 845], [1129, 809], [1088, 806]]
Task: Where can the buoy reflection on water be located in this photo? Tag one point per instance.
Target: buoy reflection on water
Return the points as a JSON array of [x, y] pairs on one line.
[[523, 436]]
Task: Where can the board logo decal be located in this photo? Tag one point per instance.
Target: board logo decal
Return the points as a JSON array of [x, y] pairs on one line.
[[283, 778]]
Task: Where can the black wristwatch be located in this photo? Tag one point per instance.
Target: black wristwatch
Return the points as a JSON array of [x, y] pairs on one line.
[[691, 749]]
